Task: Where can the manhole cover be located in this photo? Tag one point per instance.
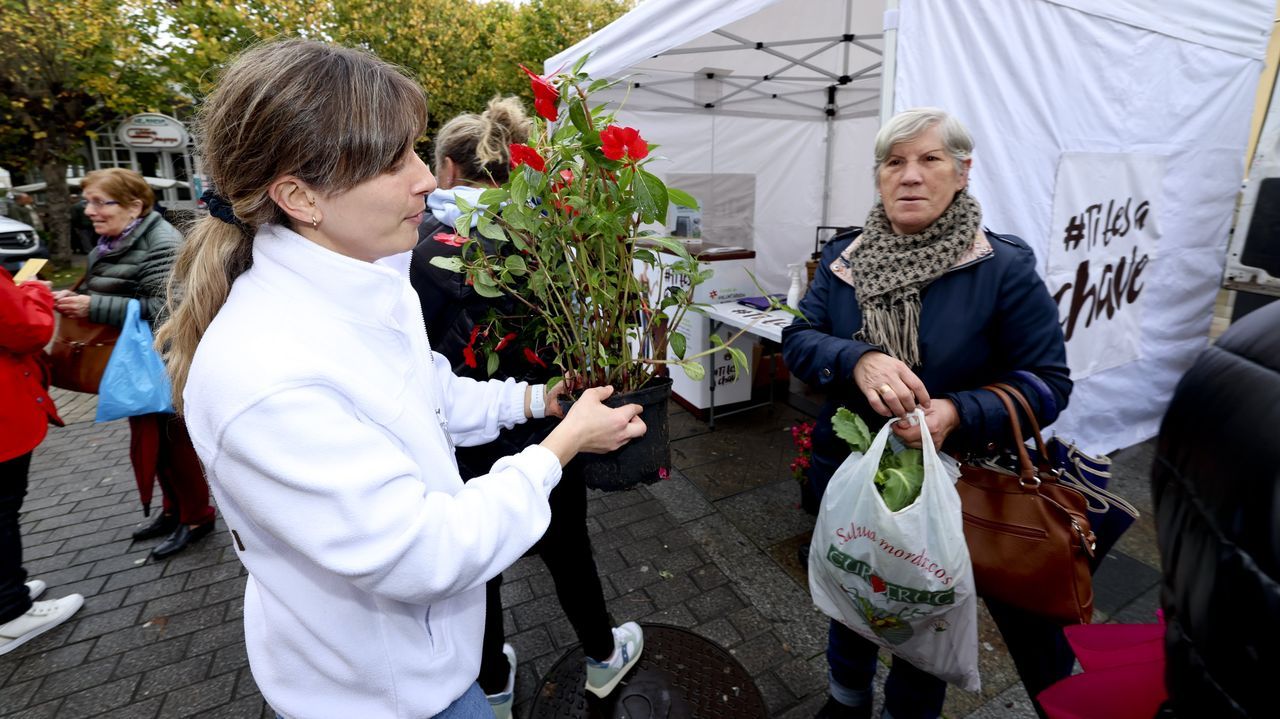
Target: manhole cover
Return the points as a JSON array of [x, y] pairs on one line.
[[707, 681]]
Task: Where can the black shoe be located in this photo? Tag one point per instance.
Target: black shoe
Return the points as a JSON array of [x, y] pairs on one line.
[[181, 537], [162, 525], [835, 710]]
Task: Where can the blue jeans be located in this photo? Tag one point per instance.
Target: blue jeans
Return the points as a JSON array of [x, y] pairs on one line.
[[471, 705]]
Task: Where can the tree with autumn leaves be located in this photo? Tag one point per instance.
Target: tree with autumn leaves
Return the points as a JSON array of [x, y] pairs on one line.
[[69, 68]]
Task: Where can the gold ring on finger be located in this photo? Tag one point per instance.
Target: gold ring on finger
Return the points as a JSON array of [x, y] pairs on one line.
[[884, 389]]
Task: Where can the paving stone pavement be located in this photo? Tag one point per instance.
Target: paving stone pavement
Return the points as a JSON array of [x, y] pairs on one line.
[[712, 550]]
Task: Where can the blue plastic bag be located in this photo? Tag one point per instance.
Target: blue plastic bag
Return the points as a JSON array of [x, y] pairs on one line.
[[135, 381]]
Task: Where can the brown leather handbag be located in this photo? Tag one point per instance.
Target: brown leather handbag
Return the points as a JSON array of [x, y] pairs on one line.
[[1028, 534], [79, 353]]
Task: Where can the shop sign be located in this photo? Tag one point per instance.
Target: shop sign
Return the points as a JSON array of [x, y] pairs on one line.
[[152, 131]]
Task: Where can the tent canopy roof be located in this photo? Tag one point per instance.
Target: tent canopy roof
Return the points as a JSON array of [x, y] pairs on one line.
[[803, 59]]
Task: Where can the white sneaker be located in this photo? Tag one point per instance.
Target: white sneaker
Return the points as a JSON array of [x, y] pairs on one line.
[[602, 677], [36, 587], [40, 618], [502, 702]]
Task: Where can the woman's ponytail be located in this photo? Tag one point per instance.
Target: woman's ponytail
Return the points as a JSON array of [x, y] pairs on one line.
[[213, 256]]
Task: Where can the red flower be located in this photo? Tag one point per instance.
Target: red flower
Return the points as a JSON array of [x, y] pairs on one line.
[[533, 357], [545, 95], [663, 473], [525, 155], [566, 179], [469, 352], [449, 239], [506, 340], [617, 142]]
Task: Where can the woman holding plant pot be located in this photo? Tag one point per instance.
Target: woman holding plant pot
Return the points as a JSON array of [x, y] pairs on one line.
[[922, 307], [471, 154], [325, 422]]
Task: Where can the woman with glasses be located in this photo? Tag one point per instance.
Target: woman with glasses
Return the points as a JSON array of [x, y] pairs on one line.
[[132, 260]]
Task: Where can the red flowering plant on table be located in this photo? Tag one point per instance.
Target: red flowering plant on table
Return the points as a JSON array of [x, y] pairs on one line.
[[565, 238]]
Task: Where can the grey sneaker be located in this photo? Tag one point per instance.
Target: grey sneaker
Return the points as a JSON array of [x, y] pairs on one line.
[[40, 618], [501, 702], [602, 677]]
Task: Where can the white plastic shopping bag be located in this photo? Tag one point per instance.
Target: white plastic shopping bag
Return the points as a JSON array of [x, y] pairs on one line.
[[901, 579]]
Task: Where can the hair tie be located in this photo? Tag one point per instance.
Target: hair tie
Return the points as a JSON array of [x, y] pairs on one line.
[[220, 208]]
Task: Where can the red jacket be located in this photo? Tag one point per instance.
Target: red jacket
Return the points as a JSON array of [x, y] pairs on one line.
[[26, 326]]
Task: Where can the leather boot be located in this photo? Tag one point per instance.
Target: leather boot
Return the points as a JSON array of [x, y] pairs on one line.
[[162, 525], [181, 537]]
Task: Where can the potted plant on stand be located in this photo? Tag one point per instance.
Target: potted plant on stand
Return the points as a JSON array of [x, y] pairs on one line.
[[599, 297]]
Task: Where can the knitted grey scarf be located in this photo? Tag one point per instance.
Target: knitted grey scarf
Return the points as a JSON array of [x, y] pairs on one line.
[[890, 270]]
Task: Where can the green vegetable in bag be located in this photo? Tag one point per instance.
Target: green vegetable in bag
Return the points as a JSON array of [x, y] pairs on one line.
[[900, 475]]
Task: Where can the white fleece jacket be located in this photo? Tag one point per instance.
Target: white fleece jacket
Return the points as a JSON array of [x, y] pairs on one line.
[[318, 410]]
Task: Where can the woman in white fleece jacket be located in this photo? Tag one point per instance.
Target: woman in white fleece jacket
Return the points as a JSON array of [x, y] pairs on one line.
[[325, 423]]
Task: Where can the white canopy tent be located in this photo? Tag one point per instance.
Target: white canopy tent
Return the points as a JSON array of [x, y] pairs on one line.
[[766, 110]]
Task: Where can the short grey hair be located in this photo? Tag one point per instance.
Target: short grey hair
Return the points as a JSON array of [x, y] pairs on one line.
[[910, 124]]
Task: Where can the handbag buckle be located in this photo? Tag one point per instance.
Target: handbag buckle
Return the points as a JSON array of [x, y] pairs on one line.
[[1087, 542], [1031, 482]]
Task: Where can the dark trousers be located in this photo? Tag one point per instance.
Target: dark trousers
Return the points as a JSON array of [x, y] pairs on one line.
[[566, 550], [1037, 645], [14, 598], [161, 447]]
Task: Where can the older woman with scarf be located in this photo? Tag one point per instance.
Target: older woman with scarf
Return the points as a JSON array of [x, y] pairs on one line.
[[132, 260], [923, 307]]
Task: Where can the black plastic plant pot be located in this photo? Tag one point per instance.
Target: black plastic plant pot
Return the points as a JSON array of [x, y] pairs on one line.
[[641, 461]]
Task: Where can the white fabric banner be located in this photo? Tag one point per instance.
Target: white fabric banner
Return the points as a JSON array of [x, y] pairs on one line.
[[1034, 79], [1105, 219]]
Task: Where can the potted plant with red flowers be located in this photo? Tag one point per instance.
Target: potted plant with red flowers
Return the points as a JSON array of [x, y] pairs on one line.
[[564, 237]]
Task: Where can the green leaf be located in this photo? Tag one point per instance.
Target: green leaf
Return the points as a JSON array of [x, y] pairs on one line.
[[850, 427], [910, 457], [898, 488], [516, 266], [677, 341], [485, 286], [491, 364], [489, 229], [453, 264], [651, 195], [494, 196], [693, 370], [682, 198], [578, 116]]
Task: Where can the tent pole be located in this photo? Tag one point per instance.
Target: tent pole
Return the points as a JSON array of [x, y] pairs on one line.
[[830, 152], [890, 67]]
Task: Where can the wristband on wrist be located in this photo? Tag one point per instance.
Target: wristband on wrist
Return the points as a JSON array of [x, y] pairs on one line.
[[537, 401]]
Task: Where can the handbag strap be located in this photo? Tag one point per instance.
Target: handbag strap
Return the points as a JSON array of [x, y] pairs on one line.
[[1105, 500], [1027, 470], [1017, 395]]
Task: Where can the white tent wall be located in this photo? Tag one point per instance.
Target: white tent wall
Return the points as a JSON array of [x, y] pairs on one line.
[[1036, 79], [786, 158]]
